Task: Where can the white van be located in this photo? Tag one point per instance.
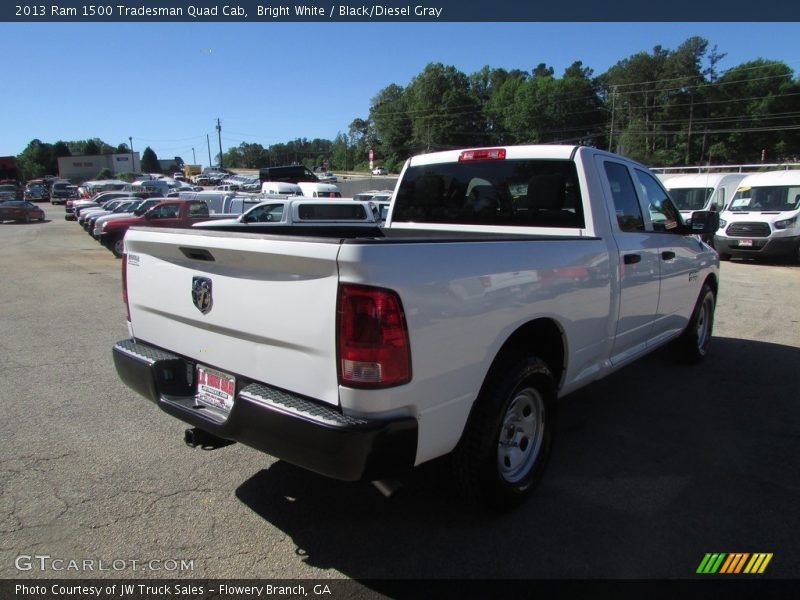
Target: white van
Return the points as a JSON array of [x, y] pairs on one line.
[[319, 190], [703, 191], [763, 218], [281, 187]]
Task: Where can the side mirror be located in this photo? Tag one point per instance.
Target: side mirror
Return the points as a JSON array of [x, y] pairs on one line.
[[703, 221]]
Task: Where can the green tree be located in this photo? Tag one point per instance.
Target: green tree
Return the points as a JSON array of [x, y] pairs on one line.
[[443, 112], [754, 113], [150, 161], [502, 109], [389, 114], [544, 109], [635, 85], [484, 85], [35, 160], [91, 148]]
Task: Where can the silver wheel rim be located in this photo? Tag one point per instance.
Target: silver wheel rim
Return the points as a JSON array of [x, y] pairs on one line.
[[119, 246], [521, 435], [704, 323]]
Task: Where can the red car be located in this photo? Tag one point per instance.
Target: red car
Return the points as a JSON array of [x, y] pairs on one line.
[[20, 210]]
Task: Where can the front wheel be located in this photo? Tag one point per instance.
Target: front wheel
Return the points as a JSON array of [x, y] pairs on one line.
[[117, 246], [509, 435], [692, 345]]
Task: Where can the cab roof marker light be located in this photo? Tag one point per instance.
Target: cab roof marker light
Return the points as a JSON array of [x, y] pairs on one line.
[[482, 154]]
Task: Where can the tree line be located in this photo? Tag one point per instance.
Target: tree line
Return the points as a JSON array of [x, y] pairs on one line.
[[663, 108], [41, 158]]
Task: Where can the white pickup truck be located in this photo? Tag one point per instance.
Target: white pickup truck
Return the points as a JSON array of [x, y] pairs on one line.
[[504, 279]]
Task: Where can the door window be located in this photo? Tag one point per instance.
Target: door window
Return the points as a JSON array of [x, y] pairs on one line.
[[663, 214], [626, 203]]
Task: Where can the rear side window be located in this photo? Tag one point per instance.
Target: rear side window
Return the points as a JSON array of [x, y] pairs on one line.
[[532, 193], [198, 209], [328, 212], [268, 213], [166, 211]]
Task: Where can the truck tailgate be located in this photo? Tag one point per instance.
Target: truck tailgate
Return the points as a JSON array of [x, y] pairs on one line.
[[272, 313]]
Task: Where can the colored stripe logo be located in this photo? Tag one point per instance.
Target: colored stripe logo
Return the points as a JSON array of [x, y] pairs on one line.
[[734, 563]]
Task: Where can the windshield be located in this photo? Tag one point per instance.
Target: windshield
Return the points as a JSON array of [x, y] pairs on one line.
[[766, 198], [690, 198]]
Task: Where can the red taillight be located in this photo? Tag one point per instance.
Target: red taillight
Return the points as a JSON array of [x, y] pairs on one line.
[[372, 338], [482, 154], [125, 285]]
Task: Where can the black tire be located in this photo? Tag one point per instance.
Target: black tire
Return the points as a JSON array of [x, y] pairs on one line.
[[692, 345], [509, 435], [116, 245]]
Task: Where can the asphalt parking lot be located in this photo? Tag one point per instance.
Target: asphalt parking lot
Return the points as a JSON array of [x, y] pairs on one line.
[[653, 468]]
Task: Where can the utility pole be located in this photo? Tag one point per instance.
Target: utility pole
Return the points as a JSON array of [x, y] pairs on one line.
[[194, 158], [689, 134], [611, 134], [133, 164], [208, 143], [219, 135]]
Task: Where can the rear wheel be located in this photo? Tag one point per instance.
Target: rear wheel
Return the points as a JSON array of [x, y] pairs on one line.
[[692, 345], [507, 442]]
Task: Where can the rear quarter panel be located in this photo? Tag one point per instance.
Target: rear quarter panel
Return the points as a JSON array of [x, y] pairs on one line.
[[462, 301]]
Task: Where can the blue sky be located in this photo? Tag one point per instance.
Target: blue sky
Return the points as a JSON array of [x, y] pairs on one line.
[[165, 84]]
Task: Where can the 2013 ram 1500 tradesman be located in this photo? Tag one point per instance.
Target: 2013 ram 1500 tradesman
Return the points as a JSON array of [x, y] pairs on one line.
[[503, 279]]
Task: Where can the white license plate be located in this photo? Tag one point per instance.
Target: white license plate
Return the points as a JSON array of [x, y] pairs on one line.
[[215, 388], [746, 243]]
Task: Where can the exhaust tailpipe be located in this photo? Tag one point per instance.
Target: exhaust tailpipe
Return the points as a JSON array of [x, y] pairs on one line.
[[194, 437]]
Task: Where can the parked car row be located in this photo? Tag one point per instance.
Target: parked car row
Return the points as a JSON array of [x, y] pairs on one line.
[[209, 178], [109, 215], [244, 183]]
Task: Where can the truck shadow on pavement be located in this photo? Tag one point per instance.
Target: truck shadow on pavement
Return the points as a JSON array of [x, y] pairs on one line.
[[653, 467]]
